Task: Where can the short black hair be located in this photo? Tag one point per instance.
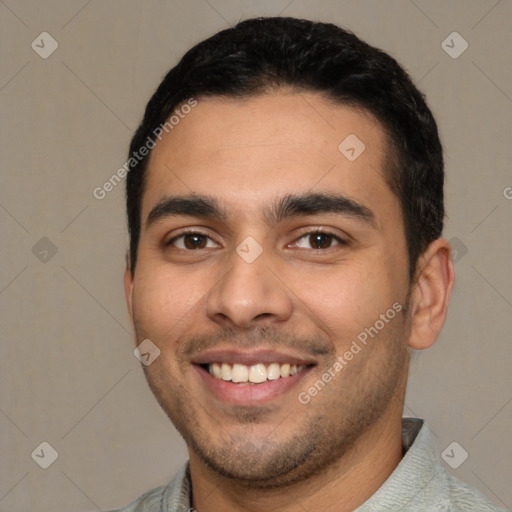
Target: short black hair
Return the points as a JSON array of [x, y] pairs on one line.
[[263, 54]]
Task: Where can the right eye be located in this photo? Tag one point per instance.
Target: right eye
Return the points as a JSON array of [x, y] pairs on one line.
[[191, 241]]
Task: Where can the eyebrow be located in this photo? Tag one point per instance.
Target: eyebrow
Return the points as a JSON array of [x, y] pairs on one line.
[[317, 203], [287, 206], [192, 205]]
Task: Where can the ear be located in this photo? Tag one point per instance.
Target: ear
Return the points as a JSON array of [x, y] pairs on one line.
[[128, 285], [435, 277]]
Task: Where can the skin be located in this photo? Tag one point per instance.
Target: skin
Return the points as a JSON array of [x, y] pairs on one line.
[[336, 451]]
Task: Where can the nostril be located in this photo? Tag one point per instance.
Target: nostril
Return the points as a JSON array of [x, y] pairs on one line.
[[264, 315]]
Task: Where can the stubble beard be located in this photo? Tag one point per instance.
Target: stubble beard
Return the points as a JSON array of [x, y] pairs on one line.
[[326, 432]]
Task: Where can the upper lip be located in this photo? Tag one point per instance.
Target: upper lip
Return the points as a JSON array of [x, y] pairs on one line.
[[249, 358]]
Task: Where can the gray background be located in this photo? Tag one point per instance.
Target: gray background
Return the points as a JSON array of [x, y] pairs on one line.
[[67, 372]]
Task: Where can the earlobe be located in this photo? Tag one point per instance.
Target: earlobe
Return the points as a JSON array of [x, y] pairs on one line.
[[431, 294]]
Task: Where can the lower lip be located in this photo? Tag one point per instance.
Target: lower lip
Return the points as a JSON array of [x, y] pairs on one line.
[[247, 393]]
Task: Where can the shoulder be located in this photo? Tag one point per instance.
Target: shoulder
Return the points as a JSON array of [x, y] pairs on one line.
[[464, 498], [173, 497]]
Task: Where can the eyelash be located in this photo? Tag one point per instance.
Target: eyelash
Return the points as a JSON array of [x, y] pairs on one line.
[[322, 231]]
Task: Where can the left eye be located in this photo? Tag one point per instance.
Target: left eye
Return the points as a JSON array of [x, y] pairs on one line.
[[318, 240], [191, 241]]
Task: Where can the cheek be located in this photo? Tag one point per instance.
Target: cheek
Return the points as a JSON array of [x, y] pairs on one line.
[[344, 301], [163, 300]]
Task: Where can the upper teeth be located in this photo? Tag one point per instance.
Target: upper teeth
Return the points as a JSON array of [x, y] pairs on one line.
[[255, 373]]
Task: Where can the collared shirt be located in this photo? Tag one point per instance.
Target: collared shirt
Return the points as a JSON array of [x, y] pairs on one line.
[[418, 484]]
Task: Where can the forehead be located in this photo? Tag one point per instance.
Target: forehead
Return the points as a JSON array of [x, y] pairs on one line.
[[248, 152]]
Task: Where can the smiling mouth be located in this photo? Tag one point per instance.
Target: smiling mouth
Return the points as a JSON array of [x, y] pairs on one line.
[[252, 374]]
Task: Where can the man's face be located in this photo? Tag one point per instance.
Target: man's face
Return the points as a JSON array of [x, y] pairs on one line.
[[243, 282]]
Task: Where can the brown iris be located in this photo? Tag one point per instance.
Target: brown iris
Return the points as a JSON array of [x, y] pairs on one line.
[[194, 241], [320, 240]]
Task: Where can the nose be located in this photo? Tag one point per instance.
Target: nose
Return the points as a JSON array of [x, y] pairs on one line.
[[249, 294]]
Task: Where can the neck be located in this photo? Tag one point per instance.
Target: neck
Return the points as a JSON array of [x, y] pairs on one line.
[[341, 487]]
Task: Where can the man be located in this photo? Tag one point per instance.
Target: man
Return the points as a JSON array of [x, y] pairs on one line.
[[285, 208]]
